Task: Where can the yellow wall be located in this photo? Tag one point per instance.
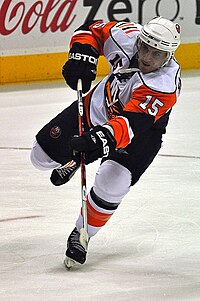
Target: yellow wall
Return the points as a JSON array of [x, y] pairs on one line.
[[48, 66], [188, 56]]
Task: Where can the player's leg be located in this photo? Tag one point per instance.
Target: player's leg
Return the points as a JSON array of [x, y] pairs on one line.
[[52, 148], [112, 183], [41, 160]]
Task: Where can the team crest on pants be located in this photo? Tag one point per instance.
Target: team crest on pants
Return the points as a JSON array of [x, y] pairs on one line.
[[55, 132]]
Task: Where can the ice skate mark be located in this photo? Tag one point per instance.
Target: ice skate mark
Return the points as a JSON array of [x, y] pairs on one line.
[[179, 156], [19, 218], [152, 241], [175, 217], [14, 148], [161, 155]]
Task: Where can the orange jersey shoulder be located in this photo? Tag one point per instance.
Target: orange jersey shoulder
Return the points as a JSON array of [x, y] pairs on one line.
[[95, 35]]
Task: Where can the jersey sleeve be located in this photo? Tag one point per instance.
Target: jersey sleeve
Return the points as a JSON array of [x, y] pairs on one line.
[[122, 131], [93, 33]]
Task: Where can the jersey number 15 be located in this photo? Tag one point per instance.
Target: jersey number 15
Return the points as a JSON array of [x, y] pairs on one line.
[[153, 109]]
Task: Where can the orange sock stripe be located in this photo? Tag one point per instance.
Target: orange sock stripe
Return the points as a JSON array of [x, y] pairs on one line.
[[96, 218]]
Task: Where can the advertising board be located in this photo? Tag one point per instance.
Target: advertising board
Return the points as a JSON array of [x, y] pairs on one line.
[[35, 31]]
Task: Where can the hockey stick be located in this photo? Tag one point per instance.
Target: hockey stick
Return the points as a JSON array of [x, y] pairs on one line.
[[69, 262], [83, 231]]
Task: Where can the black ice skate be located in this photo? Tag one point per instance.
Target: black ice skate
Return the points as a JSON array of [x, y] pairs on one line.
[[63, 174], [76, 252]]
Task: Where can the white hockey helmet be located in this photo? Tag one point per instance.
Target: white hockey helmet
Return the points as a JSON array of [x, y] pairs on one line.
[[161, 34]]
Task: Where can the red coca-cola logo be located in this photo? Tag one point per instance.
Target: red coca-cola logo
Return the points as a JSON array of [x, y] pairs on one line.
[[51, 15]]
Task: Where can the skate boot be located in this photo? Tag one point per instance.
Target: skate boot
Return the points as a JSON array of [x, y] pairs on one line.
[[75, 252], [63, 174]]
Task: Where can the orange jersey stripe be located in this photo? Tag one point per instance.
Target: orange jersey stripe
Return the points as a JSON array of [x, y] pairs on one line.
[[129, 27], [131, 30], [126, 25], [109, 96], [122, 132]]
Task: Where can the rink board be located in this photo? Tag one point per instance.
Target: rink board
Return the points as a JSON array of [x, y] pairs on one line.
[[48, 66]]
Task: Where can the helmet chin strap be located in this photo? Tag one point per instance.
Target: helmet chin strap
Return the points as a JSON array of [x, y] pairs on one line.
[[169, 56]]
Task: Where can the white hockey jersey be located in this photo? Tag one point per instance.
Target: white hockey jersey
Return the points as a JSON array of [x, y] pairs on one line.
[[122, 97]]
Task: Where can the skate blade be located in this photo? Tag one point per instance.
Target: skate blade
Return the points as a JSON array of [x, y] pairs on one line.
[[69, 262]]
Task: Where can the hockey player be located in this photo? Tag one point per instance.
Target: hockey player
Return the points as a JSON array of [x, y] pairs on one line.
[[125, 114]]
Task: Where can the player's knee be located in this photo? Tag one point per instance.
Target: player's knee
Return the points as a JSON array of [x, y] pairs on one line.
[[40, 159], [112, 181]]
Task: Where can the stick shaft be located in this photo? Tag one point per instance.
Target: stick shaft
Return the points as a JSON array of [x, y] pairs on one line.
[[83, 169]]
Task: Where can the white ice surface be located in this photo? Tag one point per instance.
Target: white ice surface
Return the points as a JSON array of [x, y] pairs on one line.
[[150, 248]]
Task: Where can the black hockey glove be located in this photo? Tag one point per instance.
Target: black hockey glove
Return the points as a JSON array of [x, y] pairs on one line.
[[96, 143], [81, 64]]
